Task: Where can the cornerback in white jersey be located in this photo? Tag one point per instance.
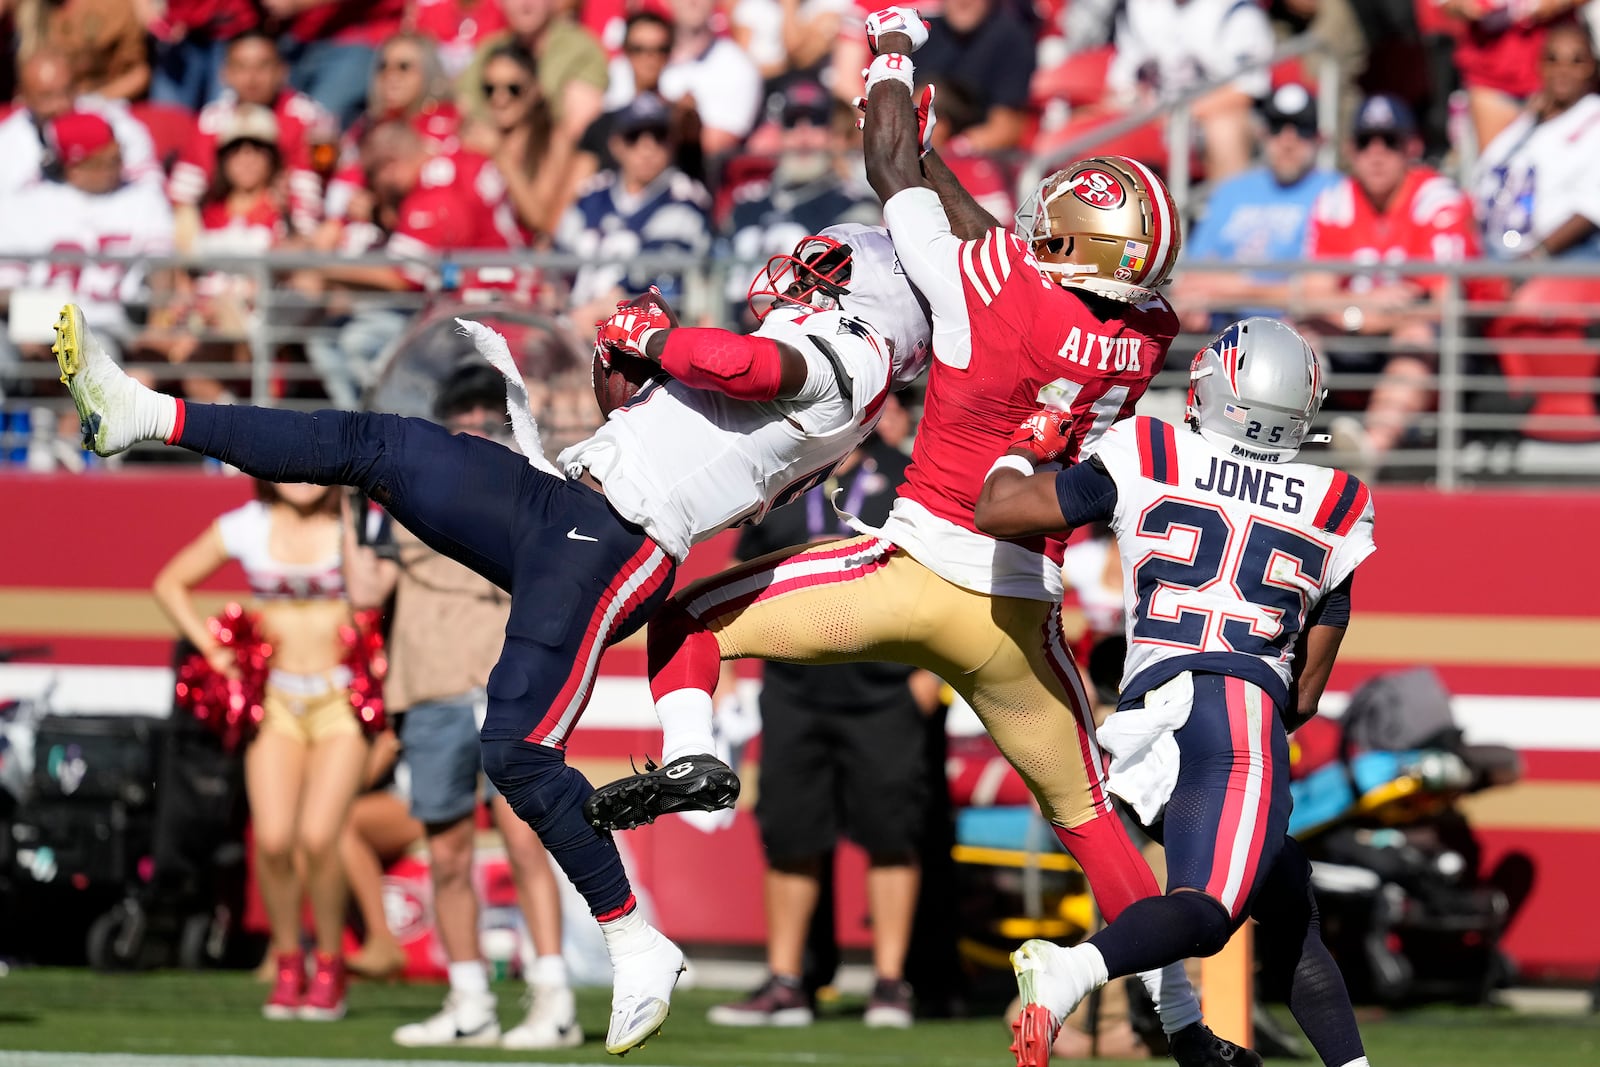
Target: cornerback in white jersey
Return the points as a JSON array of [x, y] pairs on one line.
[[1223, 556], [687, 463]]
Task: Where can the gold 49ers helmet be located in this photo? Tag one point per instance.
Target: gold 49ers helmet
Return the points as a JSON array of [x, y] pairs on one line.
[[1106, 224]]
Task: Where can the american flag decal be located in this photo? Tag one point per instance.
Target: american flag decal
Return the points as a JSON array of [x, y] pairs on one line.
[[1134, 255], [1236, 413]]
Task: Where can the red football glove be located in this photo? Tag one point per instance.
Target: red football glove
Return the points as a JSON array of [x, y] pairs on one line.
[[896, 20], [1044, 434], [630, 328], [926, 118]]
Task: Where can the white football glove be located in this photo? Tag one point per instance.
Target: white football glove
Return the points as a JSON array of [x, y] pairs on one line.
[[896, 20], [926, 118]]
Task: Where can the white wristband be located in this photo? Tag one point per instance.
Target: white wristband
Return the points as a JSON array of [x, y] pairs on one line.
[[1010, 463], [891, 67]]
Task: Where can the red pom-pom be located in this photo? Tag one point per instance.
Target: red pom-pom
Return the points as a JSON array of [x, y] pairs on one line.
[[230, 706], [368, 664]]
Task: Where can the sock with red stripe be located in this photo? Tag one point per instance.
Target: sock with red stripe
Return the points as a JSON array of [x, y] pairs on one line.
[[1156, 931], [1117, 873], [685, 663]]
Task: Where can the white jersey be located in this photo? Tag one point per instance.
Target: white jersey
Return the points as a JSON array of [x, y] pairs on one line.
[[1174, 45], [1535, 176], [1223, 557], [687, 463], [22, 150], [49, 217]]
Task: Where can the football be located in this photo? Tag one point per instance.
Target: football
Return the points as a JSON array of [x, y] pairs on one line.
[[616, 385]]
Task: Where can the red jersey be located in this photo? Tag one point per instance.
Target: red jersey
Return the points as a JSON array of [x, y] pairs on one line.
[[459, 27], [1427, 220], [362, 21], [1500, 51], [1031, 342], [459, 204], [438, 123], [215, 20], [301, 122]]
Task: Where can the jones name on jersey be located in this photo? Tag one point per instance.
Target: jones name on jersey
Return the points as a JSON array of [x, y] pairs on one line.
[[1223, 557]]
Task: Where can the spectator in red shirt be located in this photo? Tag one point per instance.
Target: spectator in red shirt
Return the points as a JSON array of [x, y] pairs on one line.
[[459, 26], [256, 76], [1497, 53], [1391, 209], [408, 85], [440, 203], [189, 45], [329, 45]]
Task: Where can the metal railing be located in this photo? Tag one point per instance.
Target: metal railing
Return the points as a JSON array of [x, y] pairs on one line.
[[1179, 129], [1480, 423]]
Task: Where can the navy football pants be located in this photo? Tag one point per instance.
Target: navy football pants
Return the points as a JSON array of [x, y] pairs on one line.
[[580, 577]]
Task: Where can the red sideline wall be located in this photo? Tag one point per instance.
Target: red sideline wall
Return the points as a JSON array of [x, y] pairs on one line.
[[1497, 590]]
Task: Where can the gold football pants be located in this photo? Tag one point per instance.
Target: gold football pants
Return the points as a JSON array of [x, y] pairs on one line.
[[863, 599]]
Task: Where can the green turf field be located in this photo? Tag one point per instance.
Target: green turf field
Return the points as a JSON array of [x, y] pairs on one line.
[[159, 1017]]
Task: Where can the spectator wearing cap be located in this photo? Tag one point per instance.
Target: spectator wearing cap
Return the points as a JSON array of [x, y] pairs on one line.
[[1389, 210], [1259, 216], [255, 75], [810, 189], [789, 36], [646, 48], [643, 207], [90, 210], [101, 40], [709, 75], [46, 91], [244, 214]]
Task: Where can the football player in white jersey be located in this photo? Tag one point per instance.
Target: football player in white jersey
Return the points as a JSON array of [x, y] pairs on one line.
[[741, 424], [1237, 564]]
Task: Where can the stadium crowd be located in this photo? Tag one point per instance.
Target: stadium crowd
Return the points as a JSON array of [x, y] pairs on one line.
[[618, 129]]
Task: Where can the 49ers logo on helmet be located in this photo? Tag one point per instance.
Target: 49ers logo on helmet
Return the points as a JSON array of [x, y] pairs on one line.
[[1098, 189]]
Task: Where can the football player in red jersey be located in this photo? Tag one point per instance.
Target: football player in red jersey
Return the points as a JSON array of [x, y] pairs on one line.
[[1391, 209], [1065, 311]]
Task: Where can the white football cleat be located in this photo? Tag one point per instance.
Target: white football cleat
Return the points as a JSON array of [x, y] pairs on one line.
[[643, 975], [552, 1021], [1051, 981], [467, 1020], [114, 411]]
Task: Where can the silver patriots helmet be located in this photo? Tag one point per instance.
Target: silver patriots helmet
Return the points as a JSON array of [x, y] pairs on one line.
[[1257, 386], [880, 294]]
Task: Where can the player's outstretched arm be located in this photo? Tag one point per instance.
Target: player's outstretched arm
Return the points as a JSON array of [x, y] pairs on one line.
[[745, 367], [892, 141]]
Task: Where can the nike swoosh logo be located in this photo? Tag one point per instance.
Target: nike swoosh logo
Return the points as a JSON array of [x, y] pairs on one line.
[[574, 535]]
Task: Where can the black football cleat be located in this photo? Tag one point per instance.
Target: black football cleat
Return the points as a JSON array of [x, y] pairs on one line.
[[693, 783], [1196, 1046]]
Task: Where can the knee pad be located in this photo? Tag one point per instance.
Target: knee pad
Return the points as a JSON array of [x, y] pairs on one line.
[[1208, 919], [534, 779]]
